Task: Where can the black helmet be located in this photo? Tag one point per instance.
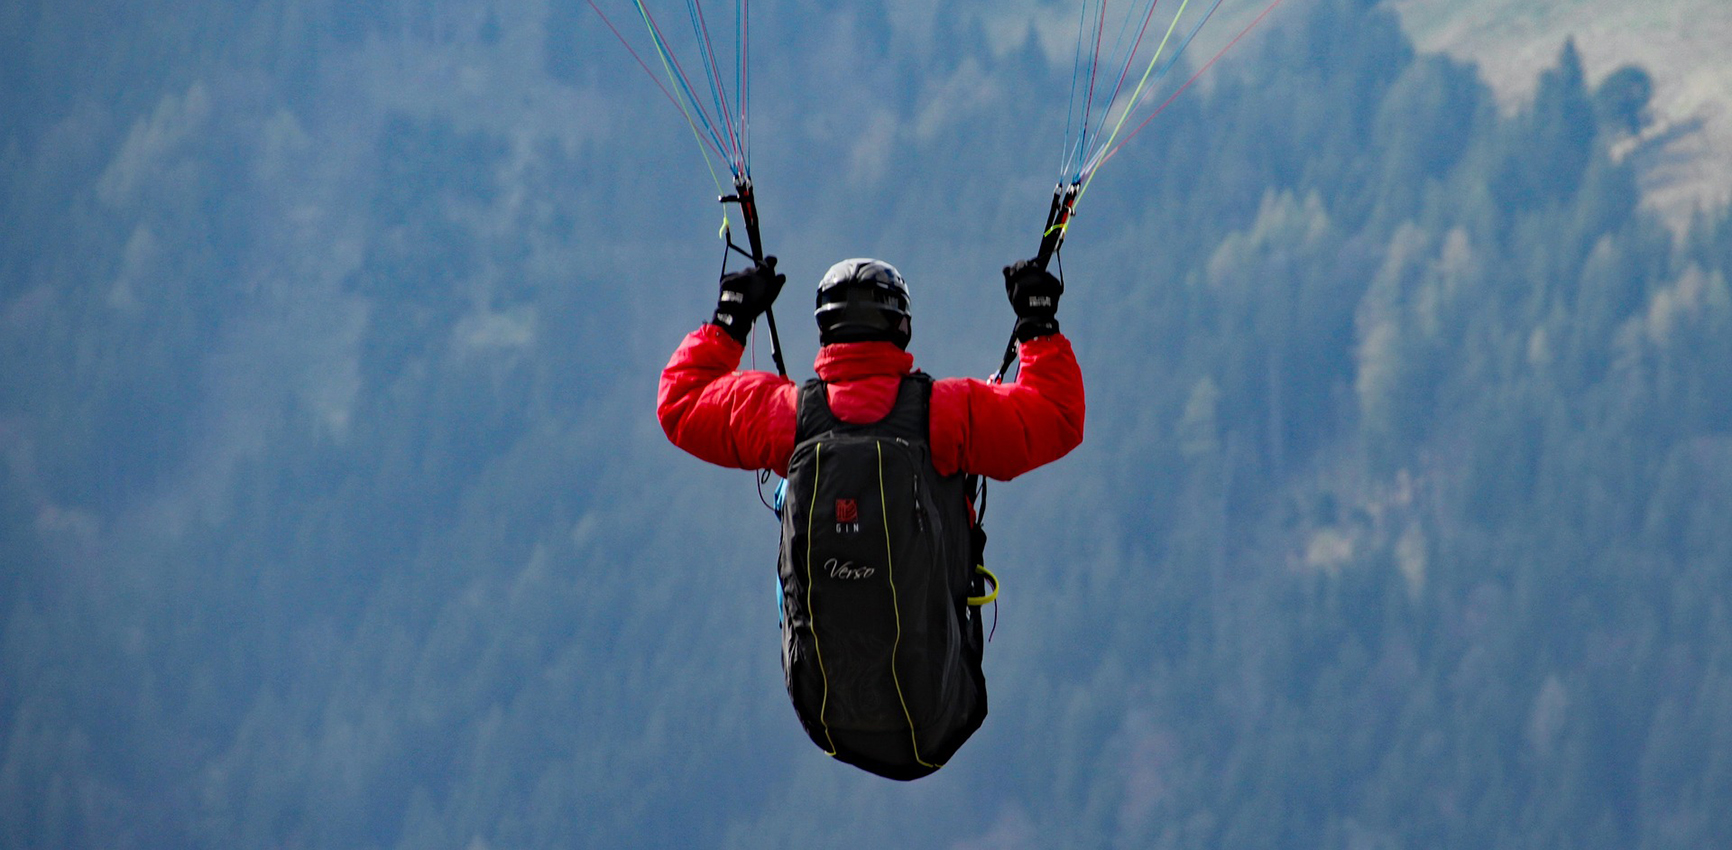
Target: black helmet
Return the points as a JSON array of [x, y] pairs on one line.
[[863, 300]]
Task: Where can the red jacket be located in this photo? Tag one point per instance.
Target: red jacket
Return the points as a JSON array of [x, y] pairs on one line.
[[746, 419]]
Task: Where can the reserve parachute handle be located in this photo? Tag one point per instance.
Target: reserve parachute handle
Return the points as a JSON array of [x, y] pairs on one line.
[[991, 596]]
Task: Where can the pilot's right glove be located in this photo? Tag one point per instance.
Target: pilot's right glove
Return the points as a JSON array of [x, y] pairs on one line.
[[746, 294], [1034, 295]]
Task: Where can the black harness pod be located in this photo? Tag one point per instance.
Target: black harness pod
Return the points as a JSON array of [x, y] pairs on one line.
[[881, 649]]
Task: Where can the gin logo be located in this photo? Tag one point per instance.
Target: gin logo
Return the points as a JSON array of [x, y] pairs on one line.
[[847, 516]]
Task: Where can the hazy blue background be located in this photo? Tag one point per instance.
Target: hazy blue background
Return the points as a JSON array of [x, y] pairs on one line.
[[334, 513]]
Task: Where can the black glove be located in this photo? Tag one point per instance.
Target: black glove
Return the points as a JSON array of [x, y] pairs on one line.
[[1034, 295], [746, 294]]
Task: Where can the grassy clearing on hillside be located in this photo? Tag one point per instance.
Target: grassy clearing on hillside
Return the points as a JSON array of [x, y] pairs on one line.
[[1686, 156]]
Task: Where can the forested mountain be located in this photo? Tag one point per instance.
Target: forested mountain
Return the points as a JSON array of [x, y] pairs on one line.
[[334, 513]]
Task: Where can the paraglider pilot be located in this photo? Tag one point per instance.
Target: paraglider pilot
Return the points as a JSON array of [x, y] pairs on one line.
[[881, 571]]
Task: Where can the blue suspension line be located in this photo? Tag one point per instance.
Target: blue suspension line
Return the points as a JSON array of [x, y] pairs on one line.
[[1071, 154], [712, 71], [1095, 158], [740, 70], [678, 75], [1129, 60], [1094, 67]]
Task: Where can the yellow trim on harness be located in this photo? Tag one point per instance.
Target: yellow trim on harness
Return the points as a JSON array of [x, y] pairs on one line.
[[978, 601], [812, 511], [896, 607]]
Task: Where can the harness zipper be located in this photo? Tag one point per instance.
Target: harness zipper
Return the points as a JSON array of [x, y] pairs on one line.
[[919, 510]]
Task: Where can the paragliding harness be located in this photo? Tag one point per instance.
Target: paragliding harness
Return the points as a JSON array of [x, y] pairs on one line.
[[881, 580]]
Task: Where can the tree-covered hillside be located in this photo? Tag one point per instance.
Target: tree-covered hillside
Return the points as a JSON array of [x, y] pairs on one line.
[[333, 511]]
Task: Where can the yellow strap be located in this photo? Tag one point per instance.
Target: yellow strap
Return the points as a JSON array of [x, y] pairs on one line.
[[978, 601]]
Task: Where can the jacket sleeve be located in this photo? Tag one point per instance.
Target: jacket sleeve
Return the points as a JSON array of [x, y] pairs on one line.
[[736, 419], [1004, 430]]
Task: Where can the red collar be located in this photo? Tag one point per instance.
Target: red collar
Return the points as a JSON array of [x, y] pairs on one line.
[[851, 361]]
